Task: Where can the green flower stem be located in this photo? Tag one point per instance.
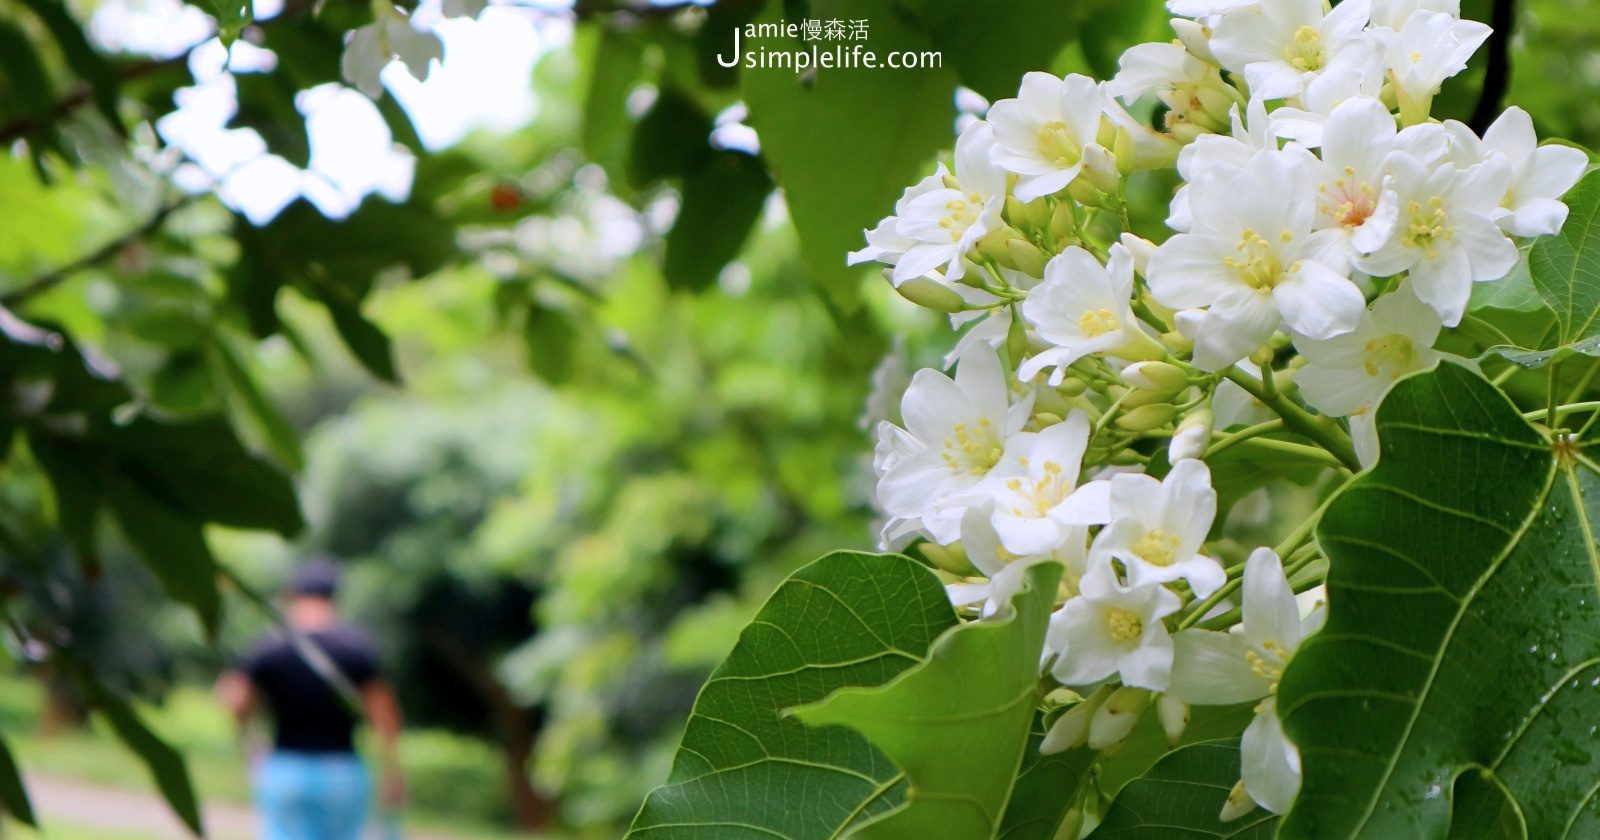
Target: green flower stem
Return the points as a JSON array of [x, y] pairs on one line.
[[1323, 431], [1243, 435], [1541, 413], [1291, 547]]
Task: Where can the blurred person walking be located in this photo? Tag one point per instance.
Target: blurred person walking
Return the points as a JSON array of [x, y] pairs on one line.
[[319, 677]]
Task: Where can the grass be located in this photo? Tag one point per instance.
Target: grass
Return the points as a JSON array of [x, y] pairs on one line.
[[189, 720]]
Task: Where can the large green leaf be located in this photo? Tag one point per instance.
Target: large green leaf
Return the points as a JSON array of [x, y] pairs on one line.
[[1181, 798], [845, 144], [745, 770], [166, 765], [1464, 626], [1564, 270], [957, 723], [721, 203], [1045, 788], [13, 796], [992, 44]]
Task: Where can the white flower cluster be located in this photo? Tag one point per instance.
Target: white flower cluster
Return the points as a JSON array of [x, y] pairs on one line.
[[1326, 231]]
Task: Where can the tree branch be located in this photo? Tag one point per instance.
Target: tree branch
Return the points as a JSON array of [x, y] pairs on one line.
[[22, 127], [57, 276], [1502, 17]]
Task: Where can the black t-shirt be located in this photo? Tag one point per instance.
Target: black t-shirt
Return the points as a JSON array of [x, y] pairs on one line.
[[308, 714]]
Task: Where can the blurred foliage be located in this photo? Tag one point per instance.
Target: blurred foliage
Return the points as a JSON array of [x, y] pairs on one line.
[[570, 410]]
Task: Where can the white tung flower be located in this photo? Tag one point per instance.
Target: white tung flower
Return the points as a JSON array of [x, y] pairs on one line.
[[1244, 664], [1446, 237], [1209, 153], [1157, 527], [1037, 500], [372, 47], [1351, 197], [960, 429], [1082, 308], [1005, 570], [1540, 175], [1429, 48], [1285, 43], [1113, 628], [1048, 133], [1394, 13], [937, 224], [1348, 375], [1252, 258]]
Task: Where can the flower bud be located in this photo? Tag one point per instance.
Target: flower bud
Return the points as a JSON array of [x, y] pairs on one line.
[[1196, 38], [1016, 341], [1238, 804], [1262, 356], [1072, 387], [1027, 257], [925, 291], [1177, 342], [950, 558], [1046, 419], [1140, 249], [1127, 150], [1186, 132], [1113, 721], [1141, 397], [1156, 376], [1016, 213], [1064, 223], [1147, 417], [1174, 715], [1071, 730], [993, 245], [1193, 437], [1084, 193], [1100, 167]]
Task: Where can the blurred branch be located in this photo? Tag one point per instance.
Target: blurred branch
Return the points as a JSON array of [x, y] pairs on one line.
[[55, 277], [1502, 18], [19, 128]]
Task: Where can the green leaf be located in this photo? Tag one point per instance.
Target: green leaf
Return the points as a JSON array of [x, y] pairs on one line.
[[552, 344], [957, 723], [721, 204], [370, 345], [13, 795], [747, 770], [166, 765], [104, 83], [256, 407], [992, 44], [1514, 292], [1044, 789], [1464, 625], [173, 546], [614, 70], [672, 140], [845, 145], [1566, 267], [1484, 810], [1182, 796], [1564, 271], [232, 17]]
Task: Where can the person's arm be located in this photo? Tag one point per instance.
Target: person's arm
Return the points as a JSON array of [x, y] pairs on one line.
[[238, 695], [383, 712]]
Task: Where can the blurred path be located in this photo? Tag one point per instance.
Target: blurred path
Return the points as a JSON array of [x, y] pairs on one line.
[[96, 807]]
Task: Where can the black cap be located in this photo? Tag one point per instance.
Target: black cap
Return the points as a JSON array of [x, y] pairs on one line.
[[317, 577]]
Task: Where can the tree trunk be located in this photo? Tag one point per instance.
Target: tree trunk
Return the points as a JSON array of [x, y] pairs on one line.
[[516, 727]]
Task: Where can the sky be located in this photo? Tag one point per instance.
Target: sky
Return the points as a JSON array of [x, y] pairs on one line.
[[484, 82]]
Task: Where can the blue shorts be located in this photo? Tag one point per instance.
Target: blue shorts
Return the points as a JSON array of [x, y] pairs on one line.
[[312, 796]]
